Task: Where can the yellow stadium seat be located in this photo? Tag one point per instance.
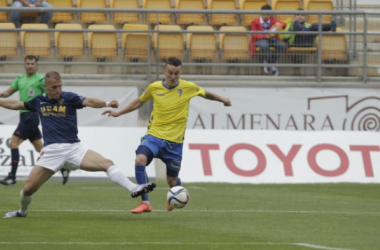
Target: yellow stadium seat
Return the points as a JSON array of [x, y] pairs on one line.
[[69, 44], [285, 5], [251, 5], [168, 44], [163, 18], [8, 40], [136, 44], [334, 47], [222, 19], [3, 14], [65, 17], [189, 18], [201, 45], [92, 17], [35, 42], [119, 17], [102, 44], [234, 46], [318, 5]]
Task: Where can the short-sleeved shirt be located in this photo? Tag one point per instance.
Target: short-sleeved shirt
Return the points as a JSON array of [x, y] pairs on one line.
[[29, 87], [170, 108], [58, 117]]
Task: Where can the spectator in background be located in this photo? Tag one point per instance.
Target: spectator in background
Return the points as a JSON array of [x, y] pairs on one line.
[[299, 24], [16, 15], [266, 40]]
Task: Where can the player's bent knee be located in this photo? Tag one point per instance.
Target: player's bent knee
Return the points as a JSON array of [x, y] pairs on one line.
[[141, 160]]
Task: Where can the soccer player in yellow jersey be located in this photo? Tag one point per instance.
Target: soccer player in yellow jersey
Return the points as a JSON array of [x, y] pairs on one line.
[[166, 129]]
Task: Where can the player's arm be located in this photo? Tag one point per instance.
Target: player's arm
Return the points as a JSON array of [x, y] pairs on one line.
[[8, 92], [133, 105], [98, 103], [12, 104], [214, 97]]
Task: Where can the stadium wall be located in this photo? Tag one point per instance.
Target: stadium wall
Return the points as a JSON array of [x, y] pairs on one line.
[[234, 156]]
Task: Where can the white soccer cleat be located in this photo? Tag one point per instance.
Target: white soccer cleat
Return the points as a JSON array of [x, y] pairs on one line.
[[14, 214], [142, 189]]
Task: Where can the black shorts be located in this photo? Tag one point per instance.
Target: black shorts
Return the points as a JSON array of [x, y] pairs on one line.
[[28, 127]]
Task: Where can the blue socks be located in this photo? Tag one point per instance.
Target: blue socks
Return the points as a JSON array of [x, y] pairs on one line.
[[178, 182], [15, 156], [141, 178]]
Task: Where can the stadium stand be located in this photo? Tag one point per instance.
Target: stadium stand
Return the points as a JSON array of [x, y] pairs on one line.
[[136, 45], [102, 44], [251, 5], [222, 19], [334, 47], [201, 46], [8, 41], [35, 42], [119, 17], [69, 44], [285, 5], [188, 19], [65, 17], [318, 5], [92, 17], [234, 46], [162, 18], [168, 44], [3, 14]]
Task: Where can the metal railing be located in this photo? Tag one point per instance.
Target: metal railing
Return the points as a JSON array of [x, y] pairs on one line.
[[357, 59]]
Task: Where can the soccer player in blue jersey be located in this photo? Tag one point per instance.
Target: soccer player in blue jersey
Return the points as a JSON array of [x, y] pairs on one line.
[[62, 148], [29, 85], [167, 124]]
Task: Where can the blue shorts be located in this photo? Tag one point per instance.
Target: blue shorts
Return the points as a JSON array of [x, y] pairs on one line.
[[28, 127], [169, 152]]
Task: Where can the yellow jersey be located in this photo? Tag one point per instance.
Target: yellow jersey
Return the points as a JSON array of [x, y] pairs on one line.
[[170, 108]]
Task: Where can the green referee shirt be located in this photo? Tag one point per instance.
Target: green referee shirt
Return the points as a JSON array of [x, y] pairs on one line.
[[29, 87]]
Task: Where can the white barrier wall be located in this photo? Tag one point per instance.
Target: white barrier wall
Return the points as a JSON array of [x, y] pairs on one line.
[[118, 144], [236, 156], [280, 157], [293, 109]]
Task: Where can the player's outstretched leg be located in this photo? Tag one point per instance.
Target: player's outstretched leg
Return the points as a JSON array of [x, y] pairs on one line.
[[14, 214], [65, 175]]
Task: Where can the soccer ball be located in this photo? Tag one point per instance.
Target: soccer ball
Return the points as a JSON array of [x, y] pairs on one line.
[[178, 197]]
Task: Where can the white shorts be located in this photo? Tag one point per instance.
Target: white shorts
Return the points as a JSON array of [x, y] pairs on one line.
[[58, 155]]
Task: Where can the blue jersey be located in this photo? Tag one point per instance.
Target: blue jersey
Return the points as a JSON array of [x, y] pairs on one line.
[[58, 117]]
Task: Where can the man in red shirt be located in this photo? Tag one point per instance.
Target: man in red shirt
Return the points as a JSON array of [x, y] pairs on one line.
[[266, 40]]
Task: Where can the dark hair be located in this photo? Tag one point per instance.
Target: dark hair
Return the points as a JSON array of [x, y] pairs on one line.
[[173, 61], [31, 57], [52, 75], [266, 7]]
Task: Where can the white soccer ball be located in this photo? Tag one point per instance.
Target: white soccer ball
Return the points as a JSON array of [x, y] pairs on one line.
[[178, 197]]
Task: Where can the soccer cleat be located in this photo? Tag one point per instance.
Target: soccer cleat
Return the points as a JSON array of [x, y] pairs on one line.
[[142, 208], [14, 214], [65, 175], [169, 208], [267, 69], [274, 71], [142, 189], [9, 180]]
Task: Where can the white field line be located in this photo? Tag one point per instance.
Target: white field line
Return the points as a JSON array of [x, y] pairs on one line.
[[205, 211], [171, 243]]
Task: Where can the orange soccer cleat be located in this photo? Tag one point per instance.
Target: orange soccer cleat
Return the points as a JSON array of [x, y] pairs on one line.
[[142, 208]]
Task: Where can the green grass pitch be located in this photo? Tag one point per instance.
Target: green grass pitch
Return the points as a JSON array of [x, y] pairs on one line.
[[95, 215]]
